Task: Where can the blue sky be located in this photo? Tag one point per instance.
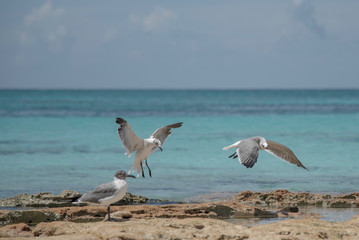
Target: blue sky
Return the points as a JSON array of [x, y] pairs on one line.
[[252, 44]]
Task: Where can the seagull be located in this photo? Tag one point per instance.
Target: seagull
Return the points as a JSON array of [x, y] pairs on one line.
[[247, 151], [108, 193], [143, 147]]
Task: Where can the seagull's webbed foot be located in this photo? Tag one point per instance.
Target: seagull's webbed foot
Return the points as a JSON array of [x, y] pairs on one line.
[[109, 218], [149, 170], [234, 155], [108, 214]]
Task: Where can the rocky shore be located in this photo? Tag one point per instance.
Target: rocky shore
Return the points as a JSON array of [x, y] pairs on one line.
[[209, 220], [285, 198], [64, 199]]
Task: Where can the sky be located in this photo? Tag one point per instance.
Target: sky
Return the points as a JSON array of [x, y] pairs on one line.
[[115, 44]]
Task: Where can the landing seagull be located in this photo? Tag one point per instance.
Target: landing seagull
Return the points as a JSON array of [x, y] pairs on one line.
[[144, 147], [108, 193], [247, 151]]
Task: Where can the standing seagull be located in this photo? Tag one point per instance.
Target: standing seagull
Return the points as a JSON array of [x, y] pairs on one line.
[[247, 151], [108, 193], [144, 147]]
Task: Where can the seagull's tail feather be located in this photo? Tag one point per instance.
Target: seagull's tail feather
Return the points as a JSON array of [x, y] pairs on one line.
[[228, 147], [132, 170], [234, 145], [136, 166]]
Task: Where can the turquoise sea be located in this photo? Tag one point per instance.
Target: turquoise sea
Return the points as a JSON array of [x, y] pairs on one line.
[[56, 140]]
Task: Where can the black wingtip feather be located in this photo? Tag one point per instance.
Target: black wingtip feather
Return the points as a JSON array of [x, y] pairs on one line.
[[120, 121], [175, 125]]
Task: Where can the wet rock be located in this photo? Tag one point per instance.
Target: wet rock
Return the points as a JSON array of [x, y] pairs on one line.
[[290, 209], [219, 210], [131, 199], [29, 217], [222, 211], [354, 196], [293, 212], [65, 198], [44, 199], [69, 194], [264, 214], [285, 198]]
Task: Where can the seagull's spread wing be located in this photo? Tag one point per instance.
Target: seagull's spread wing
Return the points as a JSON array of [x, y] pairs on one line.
[[131, 142], [163, 132], [283, 153], [247, 152], [101, 192]]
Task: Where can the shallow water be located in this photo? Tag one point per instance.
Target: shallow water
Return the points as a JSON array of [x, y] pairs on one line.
[[56, 140], [327, 214]]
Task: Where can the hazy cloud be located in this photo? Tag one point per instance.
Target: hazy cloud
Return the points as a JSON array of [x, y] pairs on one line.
[[159, 18], [43, 12], [24, 38], [305, 13], [55, 38], [111, 34], [43, 24], [156, 44]]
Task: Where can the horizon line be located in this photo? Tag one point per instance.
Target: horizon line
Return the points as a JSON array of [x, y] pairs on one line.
[[173, 89]]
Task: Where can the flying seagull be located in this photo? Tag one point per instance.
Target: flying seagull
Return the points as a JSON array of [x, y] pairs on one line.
[[108, 193], [143, 147], [247, 151]]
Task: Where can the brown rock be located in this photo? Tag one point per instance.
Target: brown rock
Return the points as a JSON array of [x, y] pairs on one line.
[[196, 228], [44, 199], [307, 228], [16, 230], [65, 198], [218, 210], [285, 198], [121, 215], [187, 221], [193, 228]]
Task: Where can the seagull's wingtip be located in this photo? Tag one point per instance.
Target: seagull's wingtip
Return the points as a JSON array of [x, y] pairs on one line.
[[302, 166], [120, 120]]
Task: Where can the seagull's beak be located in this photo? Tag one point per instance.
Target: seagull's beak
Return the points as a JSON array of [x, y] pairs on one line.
[[128, 175], [160, 149]]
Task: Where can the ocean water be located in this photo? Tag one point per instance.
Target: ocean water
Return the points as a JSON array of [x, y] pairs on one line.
[[56, 140]]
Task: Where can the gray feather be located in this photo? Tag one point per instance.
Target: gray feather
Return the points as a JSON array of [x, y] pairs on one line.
[[284, 153], [102, 191], [163, 132], [247, 152]]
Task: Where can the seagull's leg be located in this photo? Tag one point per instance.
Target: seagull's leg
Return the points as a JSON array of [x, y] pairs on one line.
[[108, 213], [232, 155], [149, 170], [143, 174]]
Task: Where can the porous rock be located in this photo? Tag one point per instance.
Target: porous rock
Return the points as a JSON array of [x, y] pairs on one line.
[[65, 198], [194, 228], [285, 198]]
